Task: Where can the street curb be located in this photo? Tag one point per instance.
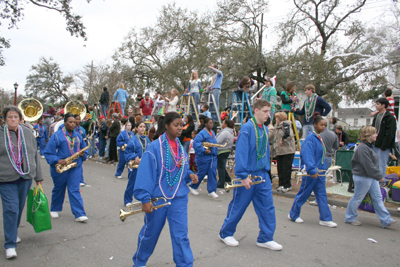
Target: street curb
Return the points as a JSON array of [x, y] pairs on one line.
[[332, 202]]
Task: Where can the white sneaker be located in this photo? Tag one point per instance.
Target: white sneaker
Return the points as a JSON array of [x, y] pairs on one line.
[[313, 203], [118, 177], [213, 195], [193, 191], [81, 219], [42, 158], [272, 245], [229, 241], [100, 157], [11, 253], [54, 214], [81, 184], [18, 239], [279, 188], [298, 220], [328, 223], [128, 205], [398, 209], [284, 190]]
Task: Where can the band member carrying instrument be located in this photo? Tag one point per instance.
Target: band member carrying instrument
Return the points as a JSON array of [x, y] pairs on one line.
[[164, 172], [63, 144], [134, 151], [312, 155], [253, 157], [206, 159], [122, 141]]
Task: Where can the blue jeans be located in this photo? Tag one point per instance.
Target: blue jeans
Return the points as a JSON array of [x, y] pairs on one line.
[[328, 162], [196, 98], [102, 147], [13, 197], [92, 148], [383, 159], [104, 108], [216, 92], [147, 117], [108, 147], [307, 128], [362, 186], [186, 146], [122, 105]]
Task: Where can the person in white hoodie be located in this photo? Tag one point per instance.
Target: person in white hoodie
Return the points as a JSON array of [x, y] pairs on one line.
[[223, 152]]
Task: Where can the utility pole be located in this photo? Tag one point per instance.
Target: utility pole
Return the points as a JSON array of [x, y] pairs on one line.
[[260, 37], [90, 81]]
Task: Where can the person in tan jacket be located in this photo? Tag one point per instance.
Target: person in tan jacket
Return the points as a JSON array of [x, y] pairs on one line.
[[284, 148]]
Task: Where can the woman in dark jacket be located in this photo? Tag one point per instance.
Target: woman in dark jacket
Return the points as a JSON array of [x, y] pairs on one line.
[[366, 176], [186, 135]]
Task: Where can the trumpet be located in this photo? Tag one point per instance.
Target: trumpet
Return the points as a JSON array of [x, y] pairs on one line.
[[124, 214], [132, 164], [63, 168], [123, 147], [207, 145], [233, 184]]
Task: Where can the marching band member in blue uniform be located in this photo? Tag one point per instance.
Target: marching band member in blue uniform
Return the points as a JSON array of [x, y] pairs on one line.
[[82, 132], [63, 144], [134, 151], [312, 155], [42, 136], [164, 172], [206, 160], [123, 139], [253, 157]]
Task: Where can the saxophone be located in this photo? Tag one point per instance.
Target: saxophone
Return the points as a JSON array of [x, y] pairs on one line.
[[207, 145], [70, 164], [132, 164]]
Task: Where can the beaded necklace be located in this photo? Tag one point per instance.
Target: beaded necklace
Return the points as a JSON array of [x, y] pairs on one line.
[[166, 154], [323, 147], [16, 160], [142, 141], [310, 106], [264, 142], [147, 102], [70, 141], [41, 130]]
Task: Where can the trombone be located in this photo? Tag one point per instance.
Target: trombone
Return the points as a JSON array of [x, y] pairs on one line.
[[124, 214], [207, 145], [234, 184]]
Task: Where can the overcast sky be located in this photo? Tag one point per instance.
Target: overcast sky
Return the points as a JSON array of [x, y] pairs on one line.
[[42, 32]]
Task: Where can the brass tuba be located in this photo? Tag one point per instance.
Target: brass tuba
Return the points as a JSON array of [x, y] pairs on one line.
[[75, 107], [32, 110], [207, 145]]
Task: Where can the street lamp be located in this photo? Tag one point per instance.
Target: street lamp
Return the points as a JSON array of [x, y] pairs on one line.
[[15, 96]]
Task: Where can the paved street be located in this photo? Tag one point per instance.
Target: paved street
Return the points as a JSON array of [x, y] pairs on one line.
[[105, 241]]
